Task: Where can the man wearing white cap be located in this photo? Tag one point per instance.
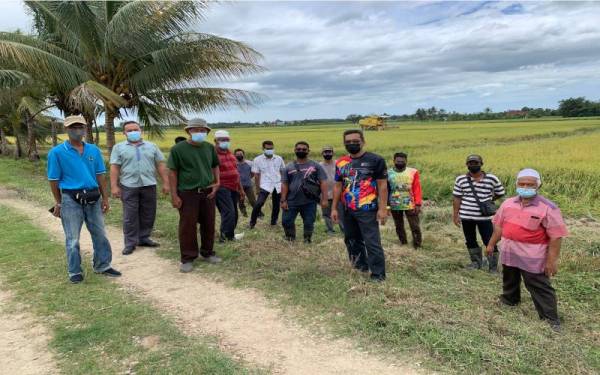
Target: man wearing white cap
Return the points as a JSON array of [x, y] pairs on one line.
[[230, 191], [76, 174], [194, 179], [531, 228]]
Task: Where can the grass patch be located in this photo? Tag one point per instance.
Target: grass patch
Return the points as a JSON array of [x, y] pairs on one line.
[[97, 328]]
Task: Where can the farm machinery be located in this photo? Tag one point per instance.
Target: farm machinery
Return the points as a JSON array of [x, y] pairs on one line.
[[374, 122]]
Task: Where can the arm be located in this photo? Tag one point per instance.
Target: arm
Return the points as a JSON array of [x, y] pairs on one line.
[[57, 197], [494, 240], [551, 267], [175, 200], [284, 193], [418, 194], [455, 207], [257, 182], [324, 200], [382, 197], [216, 184], [115, 171], [164, 176], [103, 191], [337, 192]]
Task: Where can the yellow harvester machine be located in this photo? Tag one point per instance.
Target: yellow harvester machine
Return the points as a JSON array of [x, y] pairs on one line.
[[373, 122]]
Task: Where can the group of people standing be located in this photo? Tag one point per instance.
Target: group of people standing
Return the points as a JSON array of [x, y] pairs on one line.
[[357, 191]]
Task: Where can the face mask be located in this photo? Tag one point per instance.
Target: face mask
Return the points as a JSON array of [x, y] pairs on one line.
[[327, 156], [134, 136], [301, 154], [353, 148], [76, 134], [400, 166], [198, 137], [526, 192], [223, 145], [474, 168], [239, 157], [269, 153]]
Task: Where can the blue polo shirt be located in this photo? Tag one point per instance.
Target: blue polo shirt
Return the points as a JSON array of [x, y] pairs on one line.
[[73, 170]]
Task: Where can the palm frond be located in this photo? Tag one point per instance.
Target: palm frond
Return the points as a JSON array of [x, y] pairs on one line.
[[204, 99], [154, 117], [10, 78], [86, 97]]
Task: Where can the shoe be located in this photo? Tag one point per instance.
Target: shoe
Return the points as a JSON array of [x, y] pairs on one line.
[[307, 239], [186, 267], [128, 250], [555, 326], [239, 236], [213, 259], [149, 243], [251, 226], [377, 278], [111, 272], [331, 232], [76, 279], [504, 302]]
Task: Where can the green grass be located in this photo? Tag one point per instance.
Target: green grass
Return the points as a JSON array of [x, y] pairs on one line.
[[96, 328]]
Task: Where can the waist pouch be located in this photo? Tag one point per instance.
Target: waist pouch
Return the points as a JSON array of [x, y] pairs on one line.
[[83, 196]]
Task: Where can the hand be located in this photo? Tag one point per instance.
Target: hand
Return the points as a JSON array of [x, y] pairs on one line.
[[382, 215], [489, 250], [324, 203], [335, 217], [116, 191], [105, 205], [456, 221], [284, 205], [551, 268], [213, 193], [166, 189], [176, 201], [56, 211], [242, 196]]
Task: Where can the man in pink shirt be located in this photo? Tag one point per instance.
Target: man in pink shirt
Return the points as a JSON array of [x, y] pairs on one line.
[[531, 228]]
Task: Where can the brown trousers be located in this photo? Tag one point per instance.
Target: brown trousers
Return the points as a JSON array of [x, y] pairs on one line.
[[196, 209], [413, 222]]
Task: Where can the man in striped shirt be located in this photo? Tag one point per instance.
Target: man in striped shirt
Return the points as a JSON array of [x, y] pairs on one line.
[[467, 211]]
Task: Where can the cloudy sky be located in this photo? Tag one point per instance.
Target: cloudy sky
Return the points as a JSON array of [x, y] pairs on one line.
[[330, 59]]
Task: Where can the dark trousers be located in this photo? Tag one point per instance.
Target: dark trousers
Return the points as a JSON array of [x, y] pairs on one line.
[[260, 202], [196, 209], [361, 233], [139, 213], [538, 285], [227, 201], [413, 222], [327, 216], [470, 227], [308, 212], [249, 191]]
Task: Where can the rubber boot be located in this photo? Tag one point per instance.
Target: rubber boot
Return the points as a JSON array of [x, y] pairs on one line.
[[476, 258], [493, 262]]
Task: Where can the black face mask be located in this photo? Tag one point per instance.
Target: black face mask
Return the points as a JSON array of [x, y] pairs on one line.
[[474, 168], [400, 166], [327, 156], [239, 157], [301, 154], [353, 148]]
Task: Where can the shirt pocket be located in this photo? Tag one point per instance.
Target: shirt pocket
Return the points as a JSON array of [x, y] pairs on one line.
[[533, 222]]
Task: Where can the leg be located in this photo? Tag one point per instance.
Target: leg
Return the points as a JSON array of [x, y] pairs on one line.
[[369, 228], [399, 224], [275, 201], [469, 228], [326, 212], [415, 228], [511, 285], [543, 295], [340, 209], [354, 242], [226, 208], [250, 195], [235, 197], [309, 215], [94, 221], [131, 214], [188, 224], [260, 202], [206, 219], [288, 220], [72, 219], [486, 229], [147, 212]]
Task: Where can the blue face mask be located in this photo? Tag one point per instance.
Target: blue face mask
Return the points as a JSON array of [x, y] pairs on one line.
[[198, 137], [269, 152], [526, 192], [134, 136], [224, 145]]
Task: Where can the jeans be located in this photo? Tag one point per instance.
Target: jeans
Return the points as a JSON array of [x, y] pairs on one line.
[[73, 215], [308, 212], [260, 202], [139, 213], [485, 227], [363, 240], [227, 201], [327, 216], [413, 223], [196, 208]]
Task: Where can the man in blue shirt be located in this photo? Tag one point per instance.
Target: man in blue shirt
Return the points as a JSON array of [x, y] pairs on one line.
[[76, 174]]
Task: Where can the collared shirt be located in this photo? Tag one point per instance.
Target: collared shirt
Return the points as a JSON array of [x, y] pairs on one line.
[[73, 170], [270, 171], [527, 230], [404, 189], [228, 173], [330, 170], [488, 187], [194, 164], [359, 180], [245, 170], [138, 163]]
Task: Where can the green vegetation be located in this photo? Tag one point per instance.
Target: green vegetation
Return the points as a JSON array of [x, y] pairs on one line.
[[98, 328]]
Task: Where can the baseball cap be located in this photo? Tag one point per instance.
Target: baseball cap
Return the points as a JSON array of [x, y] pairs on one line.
[[197, 123], [327, 148], [71, 120], [474, 157]]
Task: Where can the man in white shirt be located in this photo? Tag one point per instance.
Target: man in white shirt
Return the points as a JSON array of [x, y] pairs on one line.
[[267, 175]]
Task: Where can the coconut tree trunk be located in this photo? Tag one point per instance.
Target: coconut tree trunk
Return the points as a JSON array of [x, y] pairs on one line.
[[32, 152], [109, 127], [97, 133], [3, 142], [53, 126], [18, 153], [89, 131]]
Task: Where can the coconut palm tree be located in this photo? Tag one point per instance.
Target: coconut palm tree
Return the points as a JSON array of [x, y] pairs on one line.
[[144, 51]]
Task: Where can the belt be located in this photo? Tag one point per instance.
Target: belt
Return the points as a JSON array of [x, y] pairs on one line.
[[89, 190], [198, 190]]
